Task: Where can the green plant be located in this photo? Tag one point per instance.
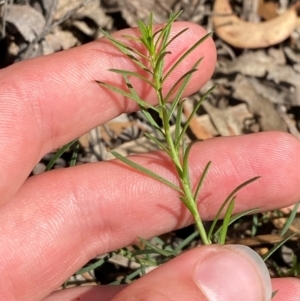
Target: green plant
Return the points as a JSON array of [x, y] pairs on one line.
[[151, 60]]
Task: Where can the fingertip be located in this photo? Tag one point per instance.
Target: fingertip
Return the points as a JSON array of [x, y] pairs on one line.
[[287, 289], [210, 273], [233, 272]]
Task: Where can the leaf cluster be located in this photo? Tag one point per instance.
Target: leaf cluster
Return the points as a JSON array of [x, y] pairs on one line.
[[151, 61]]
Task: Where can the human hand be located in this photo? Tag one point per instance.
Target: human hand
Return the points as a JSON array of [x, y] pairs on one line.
[[53, 223]]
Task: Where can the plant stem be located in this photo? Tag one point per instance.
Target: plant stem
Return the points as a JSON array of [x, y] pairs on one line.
[[175, 153], [194, 211]]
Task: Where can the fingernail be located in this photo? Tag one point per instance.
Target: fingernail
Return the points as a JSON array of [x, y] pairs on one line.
[[233, 273]]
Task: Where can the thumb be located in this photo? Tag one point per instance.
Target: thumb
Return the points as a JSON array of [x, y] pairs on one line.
[[208, 273]]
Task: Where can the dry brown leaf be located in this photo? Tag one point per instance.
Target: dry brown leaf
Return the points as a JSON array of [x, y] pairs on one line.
[[267, 10], [228, 122], [242, 34], [201, 126], [259, 105]]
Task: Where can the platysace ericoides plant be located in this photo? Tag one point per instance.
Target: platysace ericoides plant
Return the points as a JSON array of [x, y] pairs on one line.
[[152, 63]]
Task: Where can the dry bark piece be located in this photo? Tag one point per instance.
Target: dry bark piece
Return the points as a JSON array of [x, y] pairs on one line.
[[201, 126], [253, 63], [58, 40], [271, 66], [96, 13], [260, 106], [228, 122], [64, 6], [28, 21], [242, 34]]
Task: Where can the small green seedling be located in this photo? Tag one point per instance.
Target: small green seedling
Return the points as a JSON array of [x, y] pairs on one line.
[[150, 59], [152, 62]]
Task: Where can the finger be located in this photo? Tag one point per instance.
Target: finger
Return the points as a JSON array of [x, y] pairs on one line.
[[287, 289], [205, 274], [48, 101], [96, 208], [86, 293], [202, 274]]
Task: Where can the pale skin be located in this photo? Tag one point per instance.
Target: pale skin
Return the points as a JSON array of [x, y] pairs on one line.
[[53, 223]]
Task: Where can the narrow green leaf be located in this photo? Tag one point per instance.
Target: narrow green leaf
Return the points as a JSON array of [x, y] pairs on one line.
[[274, 294], [174, 38], [93, 266], [144, 33], [128, 95], [135, 96], [127, 278], [157, 142], [197, 106], [158, 240], [156, 249], [163, 39], [115, 89], [169, 138], [134, 74], [190, 206], [151, 21], [184, 146], [234, 192], [132, 38], [183, 81], [180, 84], [254, 225], [201, 181], [159, 61], [58, 154], [178, 119], [185, 165], [277, 246], [164, 115], [154, 36], [146, 171], [146, 253], [152, 121], [186, 242], [165, 32], [290, 219], [133, 50], [74, 155], [150, 35], [224, 228], [124, 49], [134, 256], [235, 218], [191, 49]]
